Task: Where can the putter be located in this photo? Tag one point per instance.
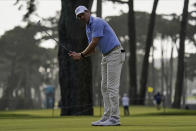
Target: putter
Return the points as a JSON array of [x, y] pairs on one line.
[[59, 44]]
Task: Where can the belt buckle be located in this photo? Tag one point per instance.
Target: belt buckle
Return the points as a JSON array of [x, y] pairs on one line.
[[122, 51]]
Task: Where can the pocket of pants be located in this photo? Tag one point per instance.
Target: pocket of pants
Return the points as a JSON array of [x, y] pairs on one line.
[[122, 57]]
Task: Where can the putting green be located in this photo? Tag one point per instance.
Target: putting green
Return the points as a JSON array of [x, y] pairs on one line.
[[141, 119]]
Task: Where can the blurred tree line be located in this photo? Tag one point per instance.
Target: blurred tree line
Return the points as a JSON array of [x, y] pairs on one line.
[[24, 67], [75, 77], [175, 28], [136, 31]]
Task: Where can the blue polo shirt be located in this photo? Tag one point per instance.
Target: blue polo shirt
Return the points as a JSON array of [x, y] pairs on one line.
[[98, 27]]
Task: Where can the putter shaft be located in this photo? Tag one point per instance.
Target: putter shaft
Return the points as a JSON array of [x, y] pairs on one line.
[[53, 38]]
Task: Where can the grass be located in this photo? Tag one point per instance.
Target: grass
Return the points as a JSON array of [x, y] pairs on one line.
[[141, 119]]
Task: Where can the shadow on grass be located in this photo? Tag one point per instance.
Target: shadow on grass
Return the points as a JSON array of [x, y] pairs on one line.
[[28, 116], [22, 116], [170, 113], [160, 125], [9, 115]]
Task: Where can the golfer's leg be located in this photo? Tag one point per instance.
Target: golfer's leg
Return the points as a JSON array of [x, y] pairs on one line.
[[113, 76], [104, 88]]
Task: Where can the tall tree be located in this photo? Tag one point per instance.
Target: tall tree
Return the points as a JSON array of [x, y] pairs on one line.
[[132, 58], [180, 70], [74, 76], [170, 77], [99, 8], [149, 43], [162, 68]]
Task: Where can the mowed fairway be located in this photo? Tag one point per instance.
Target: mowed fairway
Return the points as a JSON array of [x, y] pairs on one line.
[[141, 119]]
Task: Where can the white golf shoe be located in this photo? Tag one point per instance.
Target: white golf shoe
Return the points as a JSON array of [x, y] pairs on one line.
[[97, 123], [110, 122]]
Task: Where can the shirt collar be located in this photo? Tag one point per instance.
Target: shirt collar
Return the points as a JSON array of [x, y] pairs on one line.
[[90, 21]]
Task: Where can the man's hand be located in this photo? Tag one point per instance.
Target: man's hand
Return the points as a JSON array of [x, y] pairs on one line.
[[75, 55]]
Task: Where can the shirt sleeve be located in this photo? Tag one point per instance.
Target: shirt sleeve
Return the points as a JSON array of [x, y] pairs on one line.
[[97, 30]]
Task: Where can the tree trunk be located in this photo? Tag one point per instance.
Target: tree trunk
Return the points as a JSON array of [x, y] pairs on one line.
[[75, 77], [149, 43], [153, 70], [166, 78], [132, 58], [99, 8], [170, 78], [28, 103], [7, 98], [180, 70], [162, 68]]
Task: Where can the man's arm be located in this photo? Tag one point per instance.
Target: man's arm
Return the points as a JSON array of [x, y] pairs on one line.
[[89, 49]]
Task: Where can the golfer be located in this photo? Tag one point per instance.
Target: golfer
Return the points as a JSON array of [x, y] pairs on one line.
[[101, 35]]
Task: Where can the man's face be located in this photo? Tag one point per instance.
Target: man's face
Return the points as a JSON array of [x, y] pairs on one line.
[[84, 16]]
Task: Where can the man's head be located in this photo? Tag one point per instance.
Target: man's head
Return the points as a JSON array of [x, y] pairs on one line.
[[82, 13]]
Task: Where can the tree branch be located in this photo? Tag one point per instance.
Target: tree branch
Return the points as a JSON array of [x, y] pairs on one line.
[[119, 1]]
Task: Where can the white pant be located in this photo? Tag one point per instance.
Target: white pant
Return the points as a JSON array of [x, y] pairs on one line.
[[111, 71]]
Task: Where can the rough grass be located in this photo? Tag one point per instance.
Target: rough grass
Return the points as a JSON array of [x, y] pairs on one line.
[[141, 119]]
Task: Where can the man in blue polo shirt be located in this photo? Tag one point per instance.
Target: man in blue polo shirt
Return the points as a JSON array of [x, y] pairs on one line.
[[100, 34]]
